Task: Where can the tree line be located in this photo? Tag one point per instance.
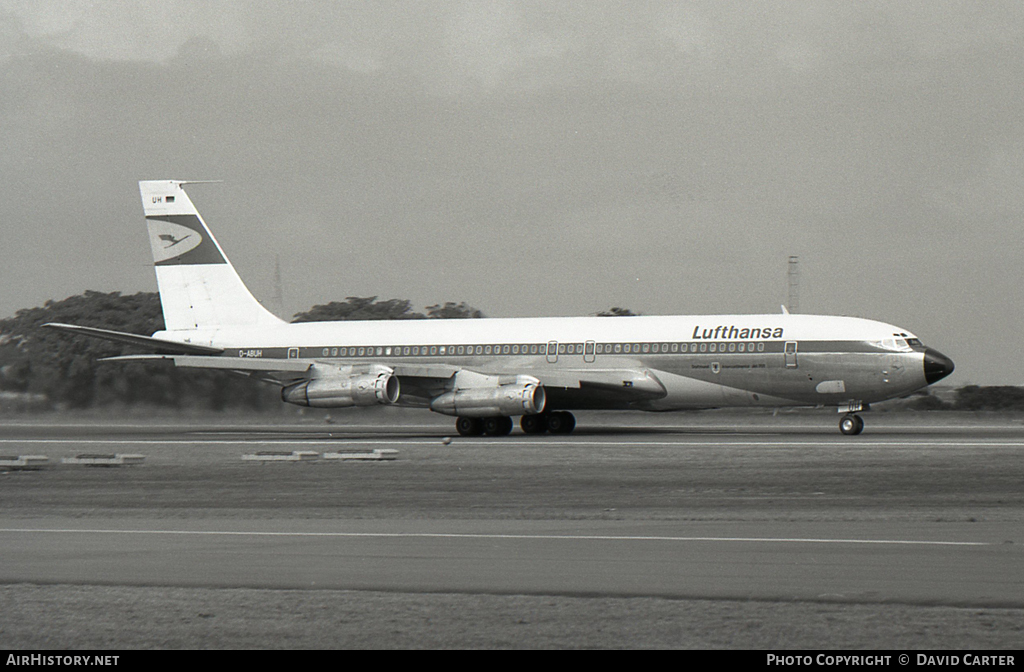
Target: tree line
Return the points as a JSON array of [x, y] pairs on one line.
[[62, 370]]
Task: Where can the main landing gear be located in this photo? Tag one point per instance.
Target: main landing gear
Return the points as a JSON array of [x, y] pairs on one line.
[[557, 422], [851, 424], [500, 425]]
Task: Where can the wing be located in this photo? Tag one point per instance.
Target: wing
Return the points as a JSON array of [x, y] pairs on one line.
[[599, 387], [326, 383], [158, 345], [279, 371]]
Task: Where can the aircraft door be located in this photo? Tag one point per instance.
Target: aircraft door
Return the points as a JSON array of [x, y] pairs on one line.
[[293, 353], [588, 352], [791, 362], [552, 352]]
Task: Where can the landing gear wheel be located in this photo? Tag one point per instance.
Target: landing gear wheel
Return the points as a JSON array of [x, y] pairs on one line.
[[561, 422], [851, 425], [469, 426], [533, 424], [500, 425]]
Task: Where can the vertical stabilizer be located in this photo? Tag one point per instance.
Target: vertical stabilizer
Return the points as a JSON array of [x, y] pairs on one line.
[[199, 288]]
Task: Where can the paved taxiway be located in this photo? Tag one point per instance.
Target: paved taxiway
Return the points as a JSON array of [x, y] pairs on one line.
[[913, 514]]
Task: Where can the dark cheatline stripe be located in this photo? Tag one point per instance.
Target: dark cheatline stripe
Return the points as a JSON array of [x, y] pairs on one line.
[[449, 351]]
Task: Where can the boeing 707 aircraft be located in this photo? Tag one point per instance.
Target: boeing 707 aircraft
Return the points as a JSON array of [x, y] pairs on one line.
[[485, 372]]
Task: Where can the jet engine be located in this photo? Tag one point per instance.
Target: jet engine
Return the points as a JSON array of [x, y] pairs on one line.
[[337, 391], [521, 398]]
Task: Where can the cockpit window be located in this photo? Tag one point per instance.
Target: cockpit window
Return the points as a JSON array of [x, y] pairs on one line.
[[894, 344]]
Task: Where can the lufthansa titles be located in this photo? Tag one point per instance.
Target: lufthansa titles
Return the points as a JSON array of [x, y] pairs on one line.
[[722, 332]]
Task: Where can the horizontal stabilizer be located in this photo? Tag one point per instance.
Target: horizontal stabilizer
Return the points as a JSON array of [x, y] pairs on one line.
[[159, 345], [225, 363]]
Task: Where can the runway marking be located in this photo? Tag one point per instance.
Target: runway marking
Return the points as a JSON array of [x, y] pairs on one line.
[[456, 535], [774, 428], [687, 441]]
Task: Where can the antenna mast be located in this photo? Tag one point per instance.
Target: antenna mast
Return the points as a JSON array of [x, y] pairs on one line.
[[794, 284], [278, 298]]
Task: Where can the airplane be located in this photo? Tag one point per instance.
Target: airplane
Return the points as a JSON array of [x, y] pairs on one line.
[[485, 372]]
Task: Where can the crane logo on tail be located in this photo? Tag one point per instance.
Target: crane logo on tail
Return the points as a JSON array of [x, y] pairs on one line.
[[172, 239]]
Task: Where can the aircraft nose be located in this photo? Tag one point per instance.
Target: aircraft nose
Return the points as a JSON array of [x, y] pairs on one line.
[[936, 366]]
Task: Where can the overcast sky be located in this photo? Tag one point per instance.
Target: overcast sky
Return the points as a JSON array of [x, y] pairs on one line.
[[535, 157]]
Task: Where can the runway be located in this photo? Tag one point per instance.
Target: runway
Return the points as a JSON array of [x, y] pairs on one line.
[[914, 564], [908, 514], [922, 511]]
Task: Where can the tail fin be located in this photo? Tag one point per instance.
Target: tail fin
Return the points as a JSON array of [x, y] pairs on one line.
[[199, 288]]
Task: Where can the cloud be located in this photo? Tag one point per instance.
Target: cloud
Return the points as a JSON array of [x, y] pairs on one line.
[[129, 30], [501, 46], [576, 146]]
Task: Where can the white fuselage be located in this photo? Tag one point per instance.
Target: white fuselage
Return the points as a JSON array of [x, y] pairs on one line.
[[685, 361]]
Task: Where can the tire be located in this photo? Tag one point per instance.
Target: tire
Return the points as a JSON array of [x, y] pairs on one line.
[[851, 425], [561, 422], [469, 426], [533, 424], [500, 425]]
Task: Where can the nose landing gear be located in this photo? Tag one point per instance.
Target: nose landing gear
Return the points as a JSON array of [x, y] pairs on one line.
[[851, 424]]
